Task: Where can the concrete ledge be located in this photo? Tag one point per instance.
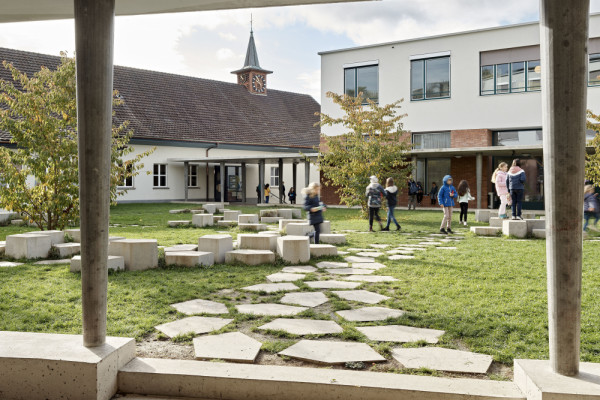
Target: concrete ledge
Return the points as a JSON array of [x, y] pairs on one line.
[[536, 379], [250, 257], [322, 250], [116, 263], [190, 258], [539, 233], [514, 228], [535, 224], [49, 366], [332, 238], [163, 377], [252, 227], [67, 249]]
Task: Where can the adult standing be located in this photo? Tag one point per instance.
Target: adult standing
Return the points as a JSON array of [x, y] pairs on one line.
[[374, 195], [312, 204], [391, 195], [433, 193], [412, 194], [282, 194], [515, 182], [420, 193], [499, 180]]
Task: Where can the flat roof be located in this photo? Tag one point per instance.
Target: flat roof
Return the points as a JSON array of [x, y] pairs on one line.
[[268, 159], [486, 151]]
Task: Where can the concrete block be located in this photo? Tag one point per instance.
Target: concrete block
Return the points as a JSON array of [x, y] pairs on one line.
[[202, 220], [539, 233], [182, 211], [74, 233], [210, 208], [257, 242], [298, 229], [2, 247], [247, 219], [322, 250], [197, 211], [485, 230], [221, 210], [113, 238], [326, 227], [226, 224], [17, 222], [219, 245], [250, 257], [528, 215], [482, 215], [285, 213], [56, 237], [535, 224], [268, 213], [283, 223], [139, 254], [116, 263], [270, 220], [28, 246], [294, 249], [6, 216], [297, 213], [181, 247], [67, 249], [332, 238], [252, 227], [190, 258], [496, 222], [217, 218], [173, 224], [231, 215], [37, 366], [514, 228]]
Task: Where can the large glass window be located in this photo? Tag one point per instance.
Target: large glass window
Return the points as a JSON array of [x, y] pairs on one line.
[[438, 140], [192, 176], [522, 76], [432, 170], [274, 176], [363, 80], [517, 74], [487, 79], [534, 75], [594, 70], [518, 138], [160, 175], [430, 78], [503, 78], [127, 178]]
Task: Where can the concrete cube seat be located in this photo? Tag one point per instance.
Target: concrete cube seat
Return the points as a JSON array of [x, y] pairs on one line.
[[216, 244], [202, 220], [217, 218], [17, 222], [247, 219], [231, 215], [514, 228], [252, 227], [286, 213], [297, 213], [535, 224], [482, 215], [28, 246], [485, 230], [496, 222], [227, 223], [2, 247], [222, 210], [67, 249], [115, 263], [250, 257], [332, 238], [322, 250], [270, 220], [326, 227], [528, 215], [299, 229], [74, 233], [268, 213], [174, 224], [182, 211], [181, 247], [56, 237], [539, 233], [294, 249], [283, 223], [190, 258], [257, 242], [139, 254], [197, 211], [210, 208]]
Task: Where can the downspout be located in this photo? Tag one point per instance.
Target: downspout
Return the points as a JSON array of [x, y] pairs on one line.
[[207, 180]]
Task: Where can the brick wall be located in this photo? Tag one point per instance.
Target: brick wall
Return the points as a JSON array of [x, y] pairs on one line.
[[328, 194], [471, 138], [464, 168]]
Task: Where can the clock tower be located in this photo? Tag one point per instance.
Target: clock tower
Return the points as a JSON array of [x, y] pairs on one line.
[[251, 75]]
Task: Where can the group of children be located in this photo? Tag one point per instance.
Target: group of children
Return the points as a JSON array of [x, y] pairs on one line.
[[291, 194]]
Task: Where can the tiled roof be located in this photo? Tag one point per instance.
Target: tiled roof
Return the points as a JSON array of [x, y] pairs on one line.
[[163, 106]]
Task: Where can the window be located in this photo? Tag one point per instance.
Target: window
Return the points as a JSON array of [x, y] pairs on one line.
[[439, 140], [127, 178], [192, 176], [430, 78], [274, 176], [518, 138], [594, 70], [160, 175], [515, 77], [363, 80]]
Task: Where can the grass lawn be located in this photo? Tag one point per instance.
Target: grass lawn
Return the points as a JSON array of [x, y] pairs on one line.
[[489, 295]]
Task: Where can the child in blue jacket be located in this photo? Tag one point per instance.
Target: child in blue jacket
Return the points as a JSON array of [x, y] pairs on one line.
[[446, 196]]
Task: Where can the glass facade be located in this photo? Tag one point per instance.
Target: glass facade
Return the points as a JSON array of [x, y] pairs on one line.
[[594, 70], [430, 78], [517, 138], [438, 140], [432, 170], [522, 76], [363, 80]]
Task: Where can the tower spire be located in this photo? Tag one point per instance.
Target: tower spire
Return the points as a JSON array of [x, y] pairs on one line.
[[251, 74]]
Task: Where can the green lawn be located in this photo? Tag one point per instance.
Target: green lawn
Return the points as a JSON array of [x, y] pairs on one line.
[[489, 295]]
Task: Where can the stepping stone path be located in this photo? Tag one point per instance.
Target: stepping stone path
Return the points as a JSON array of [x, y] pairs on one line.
[[371, 278], [443, 359], [400, 334], [379, 246], [285, 277], [355, 250], [269, 309], [299, 269], [330, 352], [373, 266], [373, 254], [362, 296], [197, 325], [200, 306], [303, 326], [446, 248], [232, 346], [7, 264], [332, 284], [355, 259], [272, 287], [350, 271], [396, 257], [306, 299], [405, 252], [332, 264], [369, 314]]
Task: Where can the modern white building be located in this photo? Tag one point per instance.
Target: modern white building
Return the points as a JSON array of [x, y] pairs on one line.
[[472, 98]]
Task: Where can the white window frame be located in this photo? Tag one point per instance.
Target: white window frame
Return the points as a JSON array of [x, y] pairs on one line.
[[274, 177], [194, 168], [124, 181], [159, 175]]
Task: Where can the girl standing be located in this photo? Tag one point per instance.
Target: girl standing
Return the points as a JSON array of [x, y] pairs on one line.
[[391, 195], [515, 181], [292, 195], [464, 196], [374, 194], [446, 196], [267, 193], [312, 204], [591, 208], [499, 179]]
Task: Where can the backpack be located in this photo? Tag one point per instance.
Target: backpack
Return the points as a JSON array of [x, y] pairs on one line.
[[374, 198], [413, 189]]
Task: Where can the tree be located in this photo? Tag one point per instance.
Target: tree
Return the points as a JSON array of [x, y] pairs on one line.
[[374, 144], [592, 161], [39, 176]]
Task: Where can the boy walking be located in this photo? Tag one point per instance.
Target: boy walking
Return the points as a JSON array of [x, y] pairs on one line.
[[446, 196]]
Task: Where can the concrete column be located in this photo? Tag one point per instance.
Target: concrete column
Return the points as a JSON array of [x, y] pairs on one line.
[[281, 194], [94, 43], [244, 186], [295, 175], [207, 183], [223, 184], [261, 181], [306, 173], [479, 174], [186, 171], [564, 36]]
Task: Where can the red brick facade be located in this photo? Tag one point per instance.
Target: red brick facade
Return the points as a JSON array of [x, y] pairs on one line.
[[464, 168], [471, 138]]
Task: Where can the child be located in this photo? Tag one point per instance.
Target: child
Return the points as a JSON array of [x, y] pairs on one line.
[[446, 196], [591, 207], [374, 194], [464, 196], [433, 193], [315, 208], [267, 193], [420, 193], [515, 182], [292, 195], [391, 195], [499, 179]]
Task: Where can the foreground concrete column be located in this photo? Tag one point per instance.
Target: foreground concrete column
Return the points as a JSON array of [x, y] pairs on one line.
[[94, 29], [306, 173], [281, 194], [564, 36], [244, 186], [186, 171], [479, 173], [223, 184]]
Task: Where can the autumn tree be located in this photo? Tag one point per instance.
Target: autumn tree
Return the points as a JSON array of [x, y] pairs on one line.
[[39, 175], [592, 161], [373, 143]]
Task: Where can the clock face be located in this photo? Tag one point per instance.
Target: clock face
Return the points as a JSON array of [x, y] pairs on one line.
[[259, 83], [243, 78]]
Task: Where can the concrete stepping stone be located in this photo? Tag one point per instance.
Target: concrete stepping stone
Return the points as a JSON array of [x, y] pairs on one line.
[[332, 352], [272, 287], [356, 259], [332, 284], [332, 238], [232, 346], [400, 334], [362, 296], [332, 264], [53, 262], [299, 269], [396, 257], [8, 264], [116, 263], [197, 325], [305, 299], [285, 277], [369, 314], [323, 250], [343, 253], [446, 248], [303, 326], [379, 246], [355, 250], [440, 359], [219, 245], [373, 254], [374, 266], [349, 271], [269, 309], [181, 247], [430, 243], [371, 278], [405, 252], [199, 306], [250, 257], [189, 258]]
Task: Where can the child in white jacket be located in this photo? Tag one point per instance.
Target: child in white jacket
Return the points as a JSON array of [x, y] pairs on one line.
[[464, 196]]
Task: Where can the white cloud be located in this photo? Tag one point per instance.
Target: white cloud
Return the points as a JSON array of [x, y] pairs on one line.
[[228, 36], [225, 54]]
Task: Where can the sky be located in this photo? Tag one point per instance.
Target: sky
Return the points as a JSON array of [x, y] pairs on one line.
[[212, 44]]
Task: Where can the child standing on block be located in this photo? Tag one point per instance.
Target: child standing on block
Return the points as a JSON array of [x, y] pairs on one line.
[[446, 196], [464, 196]]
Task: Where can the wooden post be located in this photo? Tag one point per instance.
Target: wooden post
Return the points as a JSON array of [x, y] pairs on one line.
[[281, 191], [244, 186]]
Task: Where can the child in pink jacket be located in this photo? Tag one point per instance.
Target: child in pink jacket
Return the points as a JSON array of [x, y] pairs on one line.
[[499, 178]]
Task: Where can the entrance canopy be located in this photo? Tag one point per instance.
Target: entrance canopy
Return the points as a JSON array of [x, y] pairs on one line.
[[253, 159]]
